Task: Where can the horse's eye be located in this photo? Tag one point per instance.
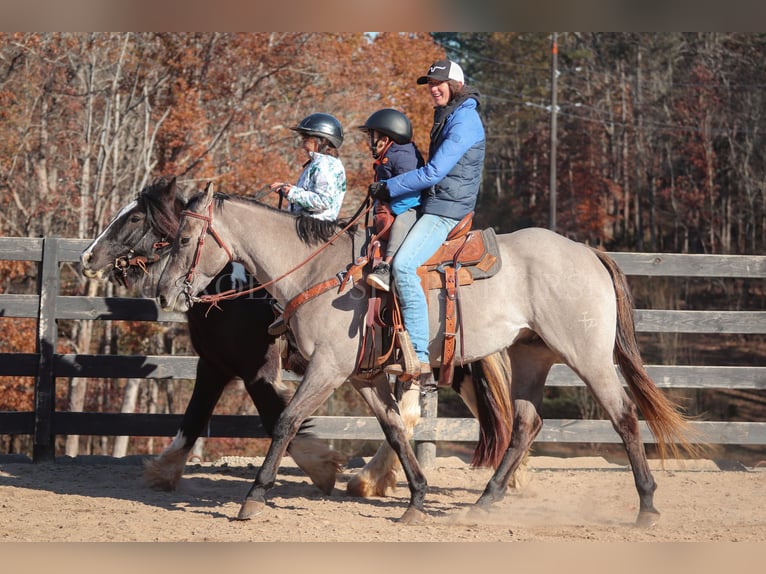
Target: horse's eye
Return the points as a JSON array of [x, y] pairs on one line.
[[185, 241], [135, 218]]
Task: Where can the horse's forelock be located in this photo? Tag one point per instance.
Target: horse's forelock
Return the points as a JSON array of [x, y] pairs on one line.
[[163, 217]]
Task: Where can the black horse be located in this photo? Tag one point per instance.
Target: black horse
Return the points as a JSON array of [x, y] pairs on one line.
[[231, 341]]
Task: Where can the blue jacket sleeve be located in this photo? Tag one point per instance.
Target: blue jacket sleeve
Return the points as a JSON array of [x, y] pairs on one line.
[[460, 134]]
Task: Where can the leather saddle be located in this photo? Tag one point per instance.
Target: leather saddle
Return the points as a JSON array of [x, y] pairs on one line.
[[465, 256], [473, 252]]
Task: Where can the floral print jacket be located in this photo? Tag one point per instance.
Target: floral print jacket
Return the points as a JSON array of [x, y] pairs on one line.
[[320, 189]]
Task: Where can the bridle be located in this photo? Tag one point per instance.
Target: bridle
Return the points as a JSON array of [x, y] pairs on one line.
[[207, 227]]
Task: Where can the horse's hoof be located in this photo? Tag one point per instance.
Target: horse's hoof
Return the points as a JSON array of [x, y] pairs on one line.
[[358, 487], [251, 508], [161, 475], [363, 485], [413, 516], [477, 512], [647, 518], [316, 459]]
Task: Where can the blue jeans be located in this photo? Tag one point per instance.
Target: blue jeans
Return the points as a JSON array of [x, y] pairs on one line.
[[425, 237]]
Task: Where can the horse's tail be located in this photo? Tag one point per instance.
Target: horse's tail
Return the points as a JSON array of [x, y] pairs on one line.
[[494, 409], [664, 417]]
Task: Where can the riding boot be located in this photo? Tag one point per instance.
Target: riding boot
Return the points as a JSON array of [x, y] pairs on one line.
[[380, 277]]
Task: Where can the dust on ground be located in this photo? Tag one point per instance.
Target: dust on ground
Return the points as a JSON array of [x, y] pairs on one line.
[[91, 499]]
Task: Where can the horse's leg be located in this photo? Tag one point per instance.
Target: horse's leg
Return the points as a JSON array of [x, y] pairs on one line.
[[466, 390], [379, 475], [378, 395], [321, 379], [530, 365], [591, 357], [526, 425], [165, 471], [608, 391], [314, 456]]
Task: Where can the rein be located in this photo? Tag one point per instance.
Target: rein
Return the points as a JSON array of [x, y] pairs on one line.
[[213, 299]]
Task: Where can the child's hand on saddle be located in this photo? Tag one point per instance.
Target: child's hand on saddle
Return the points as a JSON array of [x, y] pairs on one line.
[[379, 190]]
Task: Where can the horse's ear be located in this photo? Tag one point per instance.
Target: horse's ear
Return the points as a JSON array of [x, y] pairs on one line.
[[172, 188], [209, 192]]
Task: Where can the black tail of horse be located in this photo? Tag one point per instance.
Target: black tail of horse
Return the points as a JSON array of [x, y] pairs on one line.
[[491, 379], [669, 426]]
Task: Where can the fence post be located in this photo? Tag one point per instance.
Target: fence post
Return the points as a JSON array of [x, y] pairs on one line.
[[425, 452], [44, 447]]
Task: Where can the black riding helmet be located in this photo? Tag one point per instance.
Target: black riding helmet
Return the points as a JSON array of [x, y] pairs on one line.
[[391, 122], [323, 126]]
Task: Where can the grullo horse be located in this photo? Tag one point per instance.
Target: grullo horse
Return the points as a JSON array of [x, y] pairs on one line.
[[232, 341], [553, 300]]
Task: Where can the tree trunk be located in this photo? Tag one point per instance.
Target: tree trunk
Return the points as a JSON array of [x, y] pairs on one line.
[[78, 387], [129, 400]]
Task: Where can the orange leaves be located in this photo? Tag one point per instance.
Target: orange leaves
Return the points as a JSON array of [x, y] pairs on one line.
[[19, 335], [16, 393], [104, 113]]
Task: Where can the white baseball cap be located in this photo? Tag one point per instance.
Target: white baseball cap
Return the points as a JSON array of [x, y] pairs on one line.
[[442, 71]]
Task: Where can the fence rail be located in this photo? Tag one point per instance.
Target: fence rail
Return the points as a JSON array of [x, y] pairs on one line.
[[45, 365]]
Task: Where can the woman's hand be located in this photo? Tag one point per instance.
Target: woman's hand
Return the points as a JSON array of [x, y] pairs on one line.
[[379, 190]]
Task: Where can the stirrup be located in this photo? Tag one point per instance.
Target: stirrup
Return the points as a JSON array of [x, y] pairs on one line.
[[421, 372], [278, 327], [408, 365]]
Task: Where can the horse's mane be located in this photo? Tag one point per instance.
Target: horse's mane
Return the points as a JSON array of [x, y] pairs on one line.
[[163, 218], [310, 230], [313, 231]]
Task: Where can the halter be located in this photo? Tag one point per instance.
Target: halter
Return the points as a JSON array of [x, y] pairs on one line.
[[125, 262]]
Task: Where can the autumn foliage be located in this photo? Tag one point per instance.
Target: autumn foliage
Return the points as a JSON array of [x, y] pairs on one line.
[[659, 144]]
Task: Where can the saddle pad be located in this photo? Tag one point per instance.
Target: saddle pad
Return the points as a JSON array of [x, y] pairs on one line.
[[490, 262], [478, 252]]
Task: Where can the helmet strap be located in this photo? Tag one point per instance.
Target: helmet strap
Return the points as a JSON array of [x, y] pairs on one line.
[[380, 157], [379, 151], [322, 144]]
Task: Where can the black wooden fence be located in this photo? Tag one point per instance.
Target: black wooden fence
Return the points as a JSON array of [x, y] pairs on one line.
[[46, 365]]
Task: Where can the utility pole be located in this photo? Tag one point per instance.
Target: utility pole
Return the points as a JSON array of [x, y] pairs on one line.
[[554, 112]]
